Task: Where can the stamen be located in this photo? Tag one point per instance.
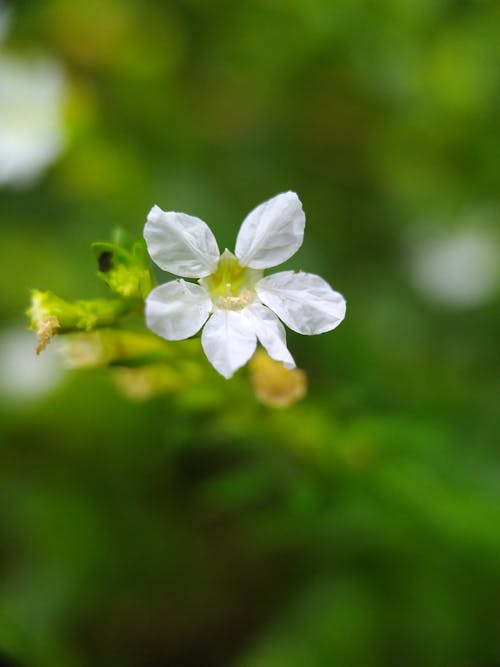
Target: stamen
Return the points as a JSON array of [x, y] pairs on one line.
[[231, 286], [235, 302]]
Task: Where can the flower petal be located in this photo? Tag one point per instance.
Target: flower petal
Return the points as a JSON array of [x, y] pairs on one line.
[[272, 232], [305, 302], [271, 334], [177, 310], [180, 243], [228, 340]]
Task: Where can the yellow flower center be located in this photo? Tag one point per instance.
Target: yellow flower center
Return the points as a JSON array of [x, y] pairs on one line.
[[231, 286]]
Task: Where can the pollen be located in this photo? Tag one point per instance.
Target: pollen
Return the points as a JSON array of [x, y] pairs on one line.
[[243, 299], [231, 286]]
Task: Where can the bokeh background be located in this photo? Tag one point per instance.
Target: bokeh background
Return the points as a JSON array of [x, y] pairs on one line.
[[360, 527]]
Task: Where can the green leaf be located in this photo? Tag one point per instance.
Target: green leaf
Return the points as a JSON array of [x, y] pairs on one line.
[[124, 268]]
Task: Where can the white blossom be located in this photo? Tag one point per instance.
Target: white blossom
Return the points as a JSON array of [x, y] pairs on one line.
[[236, 306], [23, 376], [32, 135], [458, 269]]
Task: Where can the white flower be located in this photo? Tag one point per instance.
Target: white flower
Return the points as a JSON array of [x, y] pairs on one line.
[[23, 376], [241, 306], [32, 134], [459, 269]]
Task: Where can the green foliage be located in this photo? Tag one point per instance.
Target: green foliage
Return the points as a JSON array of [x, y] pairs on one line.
[[83, 315], [124, 267], [181, 522]]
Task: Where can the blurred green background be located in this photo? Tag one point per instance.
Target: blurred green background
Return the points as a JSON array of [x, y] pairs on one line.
[[359, 528]]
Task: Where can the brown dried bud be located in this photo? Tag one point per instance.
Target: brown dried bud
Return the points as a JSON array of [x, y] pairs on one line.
[[45, 330], [275, 385]]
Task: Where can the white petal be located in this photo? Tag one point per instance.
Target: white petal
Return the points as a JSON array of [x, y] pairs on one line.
[[229, 340], [272, 232], [177, 310], [180, 243], [271, 334], [305, 302]]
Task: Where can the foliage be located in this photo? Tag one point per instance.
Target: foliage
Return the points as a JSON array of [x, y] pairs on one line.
[[152, 513]]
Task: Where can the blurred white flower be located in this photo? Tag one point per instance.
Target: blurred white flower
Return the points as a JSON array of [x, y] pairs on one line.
[[31, 125], [240, 305], [460, 269], [23, 375]]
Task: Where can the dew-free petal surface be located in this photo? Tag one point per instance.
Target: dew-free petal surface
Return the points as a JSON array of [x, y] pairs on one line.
[[272, 232], [303, 301], [229, 340], [181, 244], [177, 310]]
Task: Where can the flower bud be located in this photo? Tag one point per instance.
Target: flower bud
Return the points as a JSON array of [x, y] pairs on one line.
[[275, 385], [49, 314]]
